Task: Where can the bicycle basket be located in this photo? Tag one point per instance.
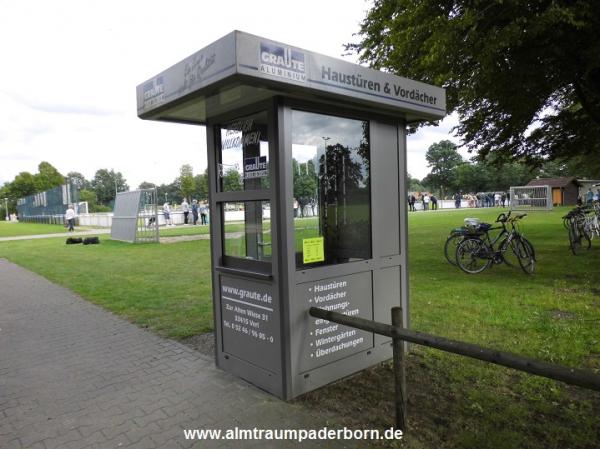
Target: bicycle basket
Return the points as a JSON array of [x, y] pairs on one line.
[[475, 226]]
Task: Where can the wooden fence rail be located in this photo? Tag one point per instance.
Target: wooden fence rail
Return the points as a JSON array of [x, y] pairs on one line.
[[572, 376]]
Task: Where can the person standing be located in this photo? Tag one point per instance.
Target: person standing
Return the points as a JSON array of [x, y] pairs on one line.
[[203, 213], [497, 198], [457, 198], [167, 214], [589, 196], [195, 211], [185, 207], [411, 202], [434, 204], [426, 200], [70, 218]]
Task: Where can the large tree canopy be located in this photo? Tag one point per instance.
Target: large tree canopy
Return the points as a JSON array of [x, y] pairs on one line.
[[443, 158], [524, 76], [106, 184]]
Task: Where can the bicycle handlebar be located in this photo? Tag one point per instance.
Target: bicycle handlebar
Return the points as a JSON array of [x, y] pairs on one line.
[[503, 218]]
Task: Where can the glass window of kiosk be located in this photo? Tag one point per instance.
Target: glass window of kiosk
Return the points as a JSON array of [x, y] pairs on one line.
[[242, 179], [247, 230], [243, 156], [332, 200]]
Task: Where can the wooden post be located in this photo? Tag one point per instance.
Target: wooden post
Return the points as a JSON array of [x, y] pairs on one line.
[[399, 372]]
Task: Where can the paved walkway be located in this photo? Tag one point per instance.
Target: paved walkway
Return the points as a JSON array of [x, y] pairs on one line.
[[98, 231], [73, 376]]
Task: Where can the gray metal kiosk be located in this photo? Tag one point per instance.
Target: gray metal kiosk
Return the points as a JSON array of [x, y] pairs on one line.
[[308, 153]]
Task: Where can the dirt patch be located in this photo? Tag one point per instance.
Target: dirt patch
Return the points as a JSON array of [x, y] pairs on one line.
[[561, 315], [203, 343]]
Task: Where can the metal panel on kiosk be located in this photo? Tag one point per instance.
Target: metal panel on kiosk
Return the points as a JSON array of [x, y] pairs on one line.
[[309, 153]]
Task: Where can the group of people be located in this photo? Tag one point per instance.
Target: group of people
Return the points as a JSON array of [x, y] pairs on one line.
[[486, 199], [590, 197], [429, 201], [481, 199], [198, 210]]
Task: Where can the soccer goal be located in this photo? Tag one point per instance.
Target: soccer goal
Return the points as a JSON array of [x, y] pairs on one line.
[[135, 217], [531, 198]]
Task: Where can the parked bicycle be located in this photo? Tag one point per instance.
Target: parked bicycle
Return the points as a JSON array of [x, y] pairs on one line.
[[475, 253], [473, 227], [583, 224]]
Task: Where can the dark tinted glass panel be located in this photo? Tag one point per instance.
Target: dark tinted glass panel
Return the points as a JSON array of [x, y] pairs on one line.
[[332, 204]]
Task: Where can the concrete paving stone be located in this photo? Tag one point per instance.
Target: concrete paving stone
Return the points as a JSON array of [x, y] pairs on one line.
[[114, 430], [38, 445], [61, 441], [14, 444], [141, 433], [77, 377]]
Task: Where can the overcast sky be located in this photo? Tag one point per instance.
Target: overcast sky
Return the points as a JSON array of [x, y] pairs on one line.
[[70, 69]]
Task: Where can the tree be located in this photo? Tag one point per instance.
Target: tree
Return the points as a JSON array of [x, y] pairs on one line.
[[201, 190], [78, 180], [305, 183], [443, 158], [105, 183], [146, 185], [90, 197], [232, 180], [523, 76], [186, 181], [169, 192], [4, 193], [413, 184], [47, 177], [23, 185]]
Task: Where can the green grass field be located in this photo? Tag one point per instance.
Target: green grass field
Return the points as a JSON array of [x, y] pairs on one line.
[[19, 229], [553, 315]]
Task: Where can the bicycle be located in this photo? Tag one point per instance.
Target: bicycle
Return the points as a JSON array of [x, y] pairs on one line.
[[582, 224], [476, 254], [474, 228]]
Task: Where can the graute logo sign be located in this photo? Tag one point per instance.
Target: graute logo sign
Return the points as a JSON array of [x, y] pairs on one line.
[[282, 61], [154, 92], [256, 167]]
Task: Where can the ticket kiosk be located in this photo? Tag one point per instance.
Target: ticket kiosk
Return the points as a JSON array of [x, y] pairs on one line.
[[307, 164]]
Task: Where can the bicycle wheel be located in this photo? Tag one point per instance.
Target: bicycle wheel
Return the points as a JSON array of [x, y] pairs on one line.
[[473, 256], [531, 249], [584, 234], [526, 255], [508, 251], [574, 239], [450, 246]]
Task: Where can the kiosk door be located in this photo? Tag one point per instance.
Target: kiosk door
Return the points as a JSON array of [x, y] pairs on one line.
[[247, 310]]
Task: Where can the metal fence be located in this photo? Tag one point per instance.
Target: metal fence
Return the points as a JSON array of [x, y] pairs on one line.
[[48, 206], [582, 378], [531, 198]]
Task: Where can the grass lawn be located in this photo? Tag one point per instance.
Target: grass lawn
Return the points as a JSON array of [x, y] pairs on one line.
[[454, 402], [163, 287], [12, 229]]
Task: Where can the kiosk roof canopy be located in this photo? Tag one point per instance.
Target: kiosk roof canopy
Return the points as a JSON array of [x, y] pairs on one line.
[[240, 69]]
